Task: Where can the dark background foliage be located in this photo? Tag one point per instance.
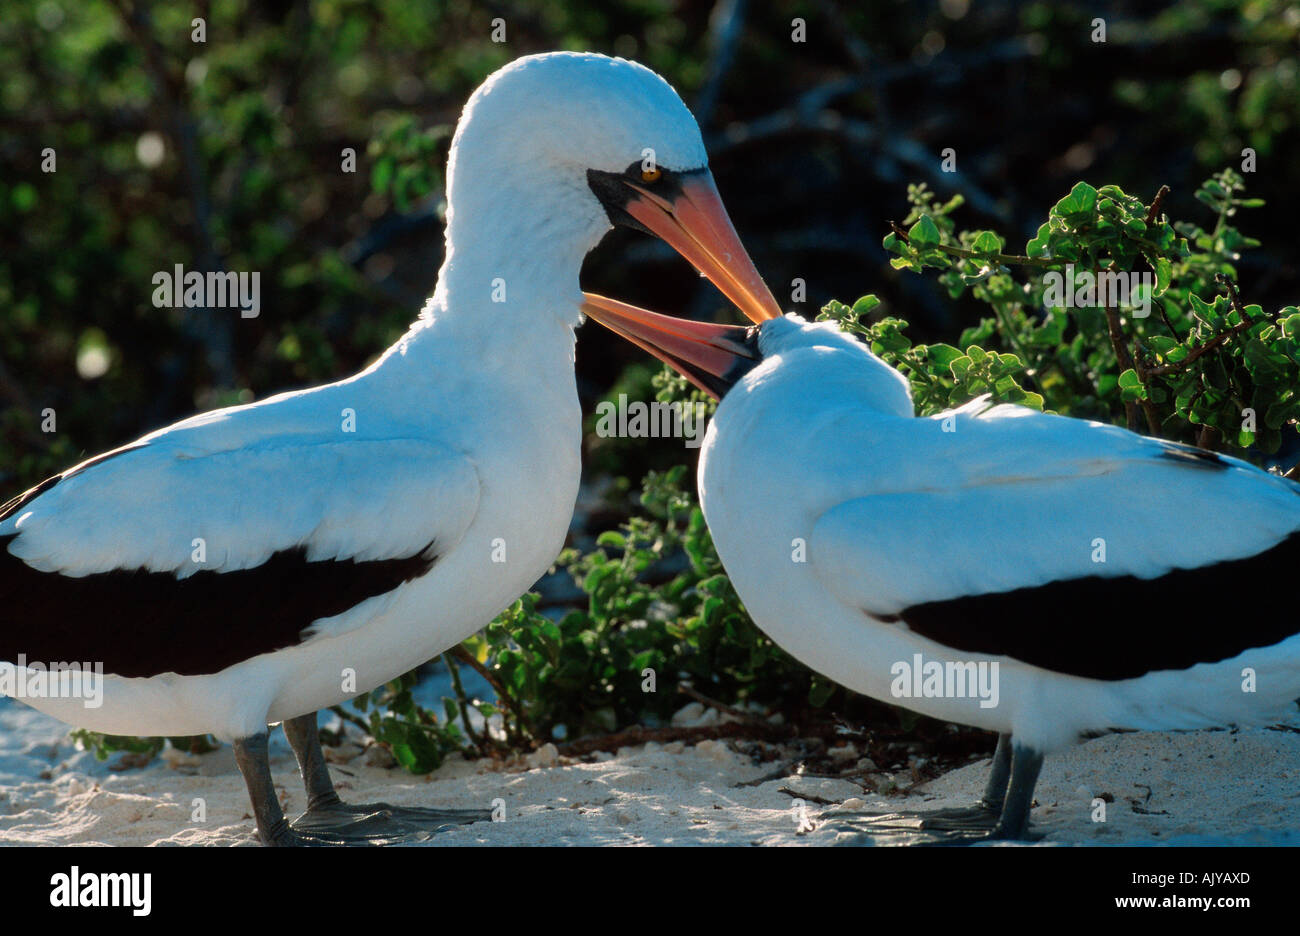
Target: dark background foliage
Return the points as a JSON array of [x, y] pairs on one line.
[[812, 143]]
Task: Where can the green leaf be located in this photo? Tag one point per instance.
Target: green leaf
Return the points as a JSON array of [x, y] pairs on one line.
[[923, 233], [820, 692], [1161, 344], [1131, 388], [864, 305], [987, 242], [1201, 307], [381, 176], [1082, 199], [1164, 274], [1038, 246], [1277, 414], [942, 355]]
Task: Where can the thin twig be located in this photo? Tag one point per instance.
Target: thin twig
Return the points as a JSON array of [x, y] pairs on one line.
[[687, 689], [1234, 298], [352, 717], [1156, 203], [638, 735], [1004, 259], [505, 697], [462, 701], [213, 330], [726, 23], [810, 797], [1215, 342], [1195, 353], [858, 137], [1122, 356], [759, 731]]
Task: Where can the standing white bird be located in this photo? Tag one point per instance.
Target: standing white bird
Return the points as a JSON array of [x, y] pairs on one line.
[[1043, 577], [252, 565]]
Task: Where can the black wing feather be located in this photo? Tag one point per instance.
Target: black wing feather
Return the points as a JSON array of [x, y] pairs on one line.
[[1123, 627], [142, 623]]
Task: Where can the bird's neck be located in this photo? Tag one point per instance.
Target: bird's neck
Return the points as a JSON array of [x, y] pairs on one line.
[[508, 296], [527, 291], [467, 344], [515, 244]]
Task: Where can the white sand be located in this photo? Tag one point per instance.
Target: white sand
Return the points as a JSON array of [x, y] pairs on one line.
[[1207, 787]]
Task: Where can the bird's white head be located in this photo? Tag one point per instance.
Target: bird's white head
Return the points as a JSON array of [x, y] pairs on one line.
[[566, 112], [792, 333], [553, 150]]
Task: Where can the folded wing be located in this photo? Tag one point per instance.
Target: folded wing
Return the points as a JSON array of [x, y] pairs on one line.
[[173, 556], [1074, 546]]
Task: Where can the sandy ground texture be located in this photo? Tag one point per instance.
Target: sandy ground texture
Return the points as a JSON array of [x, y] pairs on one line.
[[1215, 787]]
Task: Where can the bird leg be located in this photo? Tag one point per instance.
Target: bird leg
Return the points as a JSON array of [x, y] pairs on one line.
[[304, 738], [1013, 824], [995, 791], [255, 765], [329, 820]]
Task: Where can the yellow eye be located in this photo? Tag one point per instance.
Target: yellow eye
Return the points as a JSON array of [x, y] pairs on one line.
[[650, 175]]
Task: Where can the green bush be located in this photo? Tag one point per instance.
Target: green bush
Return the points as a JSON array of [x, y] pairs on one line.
[[1202, 366]]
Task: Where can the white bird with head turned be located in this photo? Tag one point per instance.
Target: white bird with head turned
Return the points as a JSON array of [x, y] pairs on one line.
[[1043, 577], [254, 564]]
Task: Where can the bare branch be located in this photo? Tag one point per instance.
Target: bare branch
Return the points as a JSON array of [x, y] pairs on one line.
[[1153, 213], [726, 24]]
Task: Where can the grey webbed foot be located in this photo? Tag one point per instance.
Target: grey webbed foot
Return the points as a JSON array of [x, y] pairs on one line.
[[966, 825], [328, 820], [340, 823]]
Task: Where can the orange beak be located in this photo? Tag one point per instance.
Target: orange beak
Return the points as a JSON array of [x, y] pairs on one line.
[[696, 225], [713, 357]]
